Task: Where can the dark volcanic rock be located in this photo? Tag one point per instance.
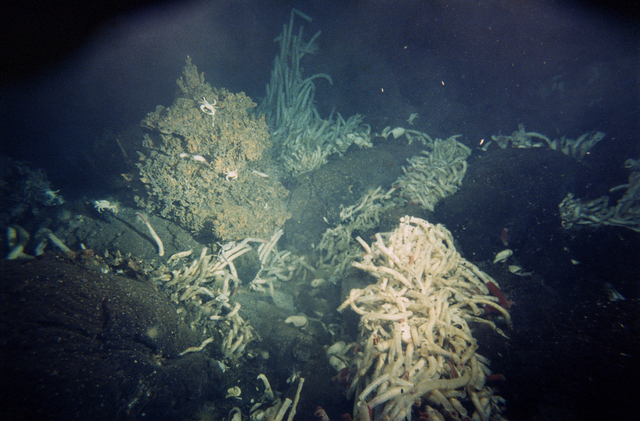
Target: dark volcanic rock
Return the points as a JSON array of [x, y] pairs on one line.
[[514, 189], [341, 182], [78, 344]]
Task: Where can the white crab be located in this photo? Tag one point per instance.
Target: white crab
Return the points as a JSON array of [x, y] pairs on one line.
[[210, 109], [295, 375], [231, 174], [52, 197], [102, 205]]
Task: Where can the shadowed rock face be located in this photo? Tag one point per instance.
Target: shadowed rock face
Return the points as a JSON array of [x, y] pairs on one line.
[[514, 189], [341, 182], [567, 340], [513, 195], [78, 344]]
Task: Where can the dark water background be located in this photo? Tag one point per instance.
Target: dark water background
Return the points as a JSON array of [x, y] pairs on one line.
[[72, 72]]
